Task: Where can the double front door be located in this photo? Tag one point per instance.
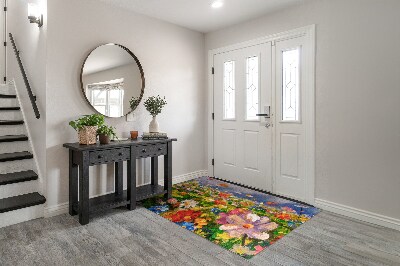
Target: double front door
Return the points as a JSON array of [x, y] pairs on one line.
[[259, 129]]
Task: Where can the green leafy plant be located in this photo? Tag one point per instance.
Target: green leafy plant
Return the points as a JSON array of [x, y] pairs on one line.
[[87, 121], [107, 130], [134, 102], [154, 104]]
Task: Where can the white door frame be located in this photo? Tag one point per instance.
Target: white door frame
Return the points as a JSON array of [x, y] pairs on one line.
[[309, 33]]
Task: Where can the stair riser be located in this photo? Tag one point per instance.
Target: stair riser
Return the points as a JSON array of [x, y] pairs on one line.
[[21, 215], [16, 146], [12, 130], [8, 102], [17, 166], [10, 115], [6, 89], [11, 190]]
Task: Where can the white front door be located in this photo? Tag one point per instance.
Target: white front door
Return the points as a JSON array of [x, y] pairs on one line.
[[242, 142], [291, 119]]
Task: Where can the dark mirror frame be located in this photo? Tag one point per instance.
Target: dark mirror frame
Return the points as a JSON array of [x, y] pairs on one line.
[[140, 70]]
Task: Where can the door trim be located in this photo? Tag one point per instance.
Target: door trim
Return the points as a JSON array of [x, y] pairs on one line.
[[309, 33]]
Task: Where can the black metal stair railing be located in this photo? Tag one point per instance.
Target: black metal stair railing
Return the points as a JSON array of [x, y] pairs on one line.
[[26, 81]]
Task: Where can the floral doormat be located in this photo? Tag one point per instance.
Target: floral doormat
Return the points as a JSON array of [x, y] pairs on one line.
[[241, 220]]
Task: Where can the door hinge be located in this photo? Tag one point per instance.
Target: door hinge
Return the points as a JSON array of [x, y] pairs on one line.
[[5, 43], [212, 116], [212, 70], [212, 162], [5, 9], [5, 79]]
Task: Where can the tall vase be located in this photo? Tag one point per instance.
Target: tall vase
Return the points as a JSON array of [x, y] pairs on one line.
[[154, 127]]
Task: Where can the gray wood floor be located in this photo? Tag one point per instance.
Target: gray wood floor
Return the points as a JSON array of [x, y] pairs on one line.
[[140, 237]]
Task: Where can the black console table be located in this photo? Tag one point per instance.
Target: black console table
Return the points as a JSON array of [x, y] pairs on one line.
[[83, 156]]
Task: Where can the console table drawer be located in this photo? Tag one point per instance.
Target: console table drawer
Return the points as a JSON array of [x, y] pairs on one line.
[[151, 150], [109, 156]]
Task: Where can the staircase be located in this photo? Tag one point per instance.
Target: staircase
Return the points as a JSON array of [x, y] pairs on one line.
[[20, 199]]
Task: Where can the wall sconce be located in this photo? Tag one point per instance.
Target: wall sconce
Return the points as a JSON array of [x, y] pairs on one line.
[[34, 15]]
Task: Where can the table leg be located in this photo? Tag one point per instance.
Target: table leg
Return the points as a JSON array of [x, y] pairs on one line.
[[132, 183], [168, 172], [84, 189], [119, 185], [154, 170], [73, 184]]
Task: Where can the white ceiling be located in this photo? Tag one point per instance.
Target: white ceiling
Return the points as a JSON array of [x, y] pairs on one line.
[[198, 14]]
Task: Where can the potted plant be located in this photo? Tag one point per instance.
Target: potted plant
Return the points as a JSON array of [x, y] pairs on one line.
[[105, 133], [154, 105], [87, 128]]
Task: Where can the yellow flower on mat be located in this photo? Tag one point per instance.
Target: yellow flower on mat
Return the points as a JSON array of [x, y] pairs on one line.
[[200, 222], [223, 236]]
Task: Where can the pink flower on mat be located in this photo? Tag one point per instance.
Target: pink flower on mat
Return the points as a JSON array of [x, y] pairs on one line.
[[240, 222]]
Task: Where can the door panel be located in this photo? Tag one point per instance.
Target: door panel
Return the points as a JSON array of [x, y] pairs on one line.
[[242, 143], [290, 128]]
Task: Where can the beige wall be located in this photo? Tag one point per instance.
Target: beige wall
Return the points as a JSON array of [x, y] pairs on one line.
[[173, 61], [357, 96], [31, 42]]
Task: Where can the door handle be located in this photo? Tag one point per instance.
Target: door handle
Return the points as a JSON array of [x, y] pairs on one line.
[[264, 115], [267, 125]]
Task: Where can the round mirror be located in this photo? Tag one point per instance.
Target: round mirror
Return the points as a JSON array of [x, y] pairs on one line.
[[111, 76]]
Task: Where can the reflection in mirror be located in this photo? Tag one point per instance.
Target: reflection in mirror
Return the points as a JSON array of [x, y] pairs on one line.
[[111, 76]]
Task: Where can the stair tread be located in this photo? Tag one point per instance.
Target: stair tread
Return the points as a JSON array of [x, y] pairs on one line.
[[11, 108], [8, 96], [21, 201], [5, 157], [11, 122], [17, 177], [11, 138]]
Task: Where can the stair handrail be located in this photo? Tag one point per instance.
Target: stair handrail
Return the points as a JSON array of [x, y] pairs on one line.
[[26, 81]]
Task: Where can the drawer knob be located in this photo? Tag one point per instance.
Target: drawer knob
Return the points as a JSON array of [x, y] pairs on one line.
[[100, 156], [120, 154], [160, 149], [144, 150]]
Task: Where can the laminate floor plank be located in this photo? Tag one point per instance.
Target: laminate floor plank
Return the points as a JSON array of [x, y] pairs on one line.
[[140, 237]]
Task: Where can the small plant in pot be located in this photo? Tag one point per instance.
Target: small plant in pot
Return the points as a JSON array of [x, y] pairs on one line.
[[87, 128], [105, 133], [154, 106]]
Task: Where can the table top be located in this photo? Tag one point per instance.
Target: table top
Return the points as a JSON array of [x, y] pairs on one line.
[[114, 144]]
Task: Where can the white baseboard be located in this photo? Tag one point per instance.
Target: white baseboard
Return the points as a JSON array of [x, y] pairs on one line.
[[56, 210], [358, 214], [63, 207]]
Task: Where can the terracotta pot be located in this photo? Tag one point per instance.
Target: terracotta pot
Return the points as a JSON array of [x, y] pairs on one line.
[[104, 139], [87, 135], [134, 134]]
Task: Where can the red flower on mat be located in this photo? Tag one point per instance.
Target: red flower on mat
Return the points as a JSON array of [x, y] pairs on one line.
[[224, 195], [283, 216], [219, 202], [183, 216], [223, 185]]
